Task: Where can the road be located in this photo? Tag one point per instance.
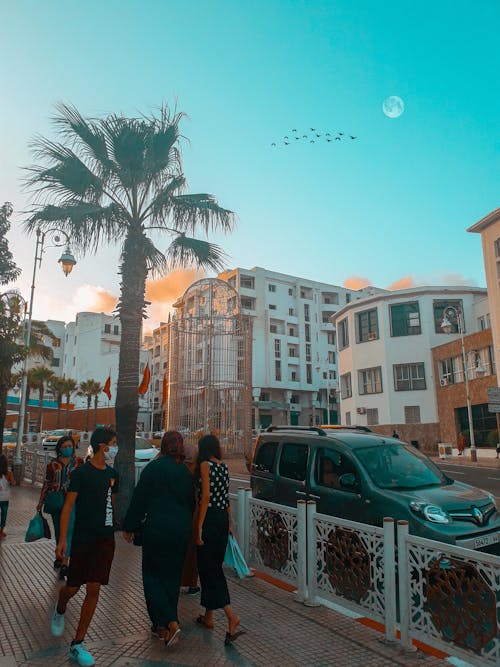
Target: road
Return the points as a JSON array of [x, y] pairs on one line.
[[479, 476]]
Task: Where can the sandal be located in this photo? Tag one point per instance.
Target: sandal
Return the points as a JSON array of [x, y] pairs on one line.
[[232, 637], [173, 638], [201, 621]]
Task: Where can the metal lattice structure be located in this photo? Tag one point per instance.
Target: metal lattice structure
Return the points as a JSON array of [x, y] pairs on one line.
[[209, 367]]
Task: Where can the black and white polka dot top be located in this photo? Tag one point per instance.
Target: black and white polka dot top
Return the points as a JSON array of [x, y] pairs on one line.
[[219, 486]]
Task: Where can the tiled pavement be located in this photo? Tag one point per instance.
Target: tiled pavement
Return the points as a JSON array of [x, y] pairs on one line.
[[279, 631]]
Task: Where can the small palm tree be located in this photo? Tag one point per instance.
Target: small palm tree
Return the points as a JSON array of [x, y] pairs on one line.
[[68, 389], [96, 401], [57, 385], [90, 389], [41, 376], [120, 180]]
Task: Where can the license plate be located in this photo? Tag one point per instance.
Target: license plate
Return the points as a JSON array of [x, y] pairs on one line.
[[486, 540]]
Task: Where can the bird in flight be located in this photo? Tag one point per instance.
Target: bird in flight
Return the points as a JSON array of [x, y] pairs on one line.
[[352, 137], [316, 134]]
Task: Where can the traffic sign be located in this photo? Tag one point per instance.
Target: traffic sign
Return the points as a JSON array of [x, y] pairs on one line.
[[494, 407], [493, 394]]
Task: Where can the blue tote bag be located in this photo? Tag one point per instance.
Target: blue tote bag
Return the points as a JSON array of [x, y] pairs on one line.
[[235, 559]]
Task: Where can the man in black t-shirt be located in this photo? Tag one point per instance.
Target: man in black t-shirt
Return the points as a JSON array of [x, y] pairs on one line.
[[91, 490]]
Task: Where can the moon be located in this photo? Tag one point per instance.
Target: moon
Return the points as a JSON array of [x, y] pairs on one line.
[[393, 106]]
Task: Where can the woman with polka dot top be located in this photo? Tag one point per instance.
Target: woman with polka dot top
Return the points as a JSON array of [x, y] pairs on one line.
[[213, 526]]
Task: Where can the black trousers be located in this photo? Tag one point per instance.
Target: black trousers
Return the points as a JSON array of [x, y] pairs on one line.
[[214, 591]]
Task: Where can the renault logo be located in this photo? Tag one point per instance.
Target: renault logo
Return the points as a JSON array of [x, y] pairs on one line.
[[477, 515]]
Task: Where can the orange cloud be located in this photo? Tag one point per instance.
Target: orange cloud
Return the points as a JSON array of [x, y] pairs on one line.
[[356, 282], [402, 283]]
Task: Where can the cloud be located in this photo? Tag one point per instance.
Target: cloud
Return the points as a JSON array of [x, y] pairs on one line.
[[402, 283], [163, 292], [356, 282]]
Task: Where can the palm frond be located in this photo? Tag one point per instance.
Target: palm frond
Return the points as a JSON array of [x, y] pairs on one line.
[[185, 251], [155, 259], [161, 204], [188, 212]]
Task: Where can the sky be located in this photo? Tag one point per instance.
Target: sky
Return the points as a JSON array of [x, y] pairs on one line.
[[389, 208]]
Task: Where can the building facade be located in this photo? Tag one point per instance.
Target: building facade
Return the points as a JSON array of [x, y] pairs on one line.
[[386, 367]]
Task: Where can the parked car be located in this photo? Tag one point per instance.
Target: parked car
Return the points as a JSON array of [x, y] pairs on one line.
[[144, 453], [345, 427], [366, 477], [9, 439], [50, 439]]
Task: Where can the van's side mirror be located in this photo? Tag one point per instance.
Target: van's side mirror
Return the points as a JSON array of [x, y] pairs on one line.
[[348, 480]]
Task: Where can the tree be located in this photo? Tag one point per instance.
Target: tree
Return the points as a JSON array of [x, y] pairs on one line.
[[68, 389], [8, 269], [57, 385], [41, 377], [89, 388], [118, 180]]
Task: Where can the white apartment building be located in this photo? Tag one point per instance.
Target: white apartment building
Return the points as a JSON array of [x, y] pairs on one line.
[[156, 353], [294, 353], [385, 361]]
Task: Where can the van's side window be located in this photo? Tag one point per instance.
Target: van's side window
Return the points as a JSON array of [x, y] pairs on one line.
[[293, 462], [265, 460], [330, 466]]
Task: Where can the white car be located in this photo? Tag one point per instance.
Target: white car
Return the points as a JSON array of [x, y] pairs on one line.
[[144, 453]]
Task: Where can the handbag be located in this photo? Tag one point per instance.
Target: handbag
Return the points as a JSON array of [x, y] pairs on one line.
[[54, 501], [38, 527], [234, 558]]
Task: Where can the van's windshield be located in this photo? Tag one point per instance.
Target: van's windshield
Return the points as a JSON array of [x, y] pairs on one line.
[[399, 467]]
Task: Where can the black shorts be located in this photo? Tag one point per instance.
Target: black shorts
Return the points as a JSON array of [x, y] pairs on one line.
[[90, 562]]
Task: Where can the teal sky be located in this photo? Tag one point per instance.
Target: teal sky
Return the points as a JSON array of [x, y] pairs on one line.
[[394, 203]]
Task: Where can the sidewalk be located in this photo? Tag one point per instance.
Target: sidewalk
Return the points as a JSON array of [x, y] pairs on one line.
[[279, 631], [485, 457]]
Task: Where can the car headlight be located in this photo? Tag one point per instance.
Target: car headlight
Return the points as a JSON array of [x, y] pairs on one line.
[[432, 513], [492, 500]]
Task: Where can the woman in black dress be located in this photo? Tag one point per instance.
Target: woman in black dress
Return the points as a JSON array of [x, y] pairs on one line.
[[162, 505], [214, 524]]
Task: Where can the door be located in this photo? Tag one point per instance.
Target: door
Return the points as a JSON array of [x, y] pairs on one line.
[[292, 473]]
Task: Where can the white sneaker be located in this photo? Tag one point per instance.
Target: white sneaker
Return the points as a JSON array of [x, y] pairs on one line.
[[57, 623], [79, 653]]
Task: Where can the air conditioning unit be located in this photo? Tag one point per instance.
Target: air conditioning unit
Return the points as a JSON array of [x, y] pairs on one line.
[[372, 335], [361, 411], [444, 382]]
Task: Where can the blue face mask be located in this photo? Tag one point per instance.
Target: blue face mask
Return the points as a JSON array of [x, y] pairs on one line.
[[67, 451]]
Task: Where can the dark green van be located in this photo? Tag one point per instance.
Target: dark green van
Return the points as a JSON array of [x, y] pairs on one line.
[[366, 477]]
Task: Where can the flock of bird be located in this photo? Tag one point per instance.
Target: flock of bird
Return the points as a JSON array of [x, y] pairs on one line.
[[313, 136]]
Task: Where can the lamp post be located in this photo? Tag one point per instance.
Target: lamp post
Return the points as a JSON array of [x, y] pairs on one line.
[[447, 327], [67, 262]]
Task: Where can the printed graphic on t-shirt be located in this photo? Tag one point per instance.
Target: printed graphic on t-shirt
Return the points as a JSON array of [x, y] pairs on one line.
[[109, 505]]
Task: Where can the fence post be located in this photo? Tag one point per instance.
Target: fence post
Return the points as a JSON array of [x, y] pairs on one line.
[[389, 580], [301, 594], [242, 516], [311, 555], [246, 543], [404, 585]]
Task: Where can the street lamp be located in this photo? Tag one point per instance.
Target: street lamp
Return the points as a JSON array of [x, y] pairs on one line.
[[447, 327], [67, 262]]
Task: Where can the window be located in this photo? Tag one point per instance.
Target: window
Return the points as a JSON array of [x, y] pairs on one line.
[[372, 416], [55, 362], [367, 325], [307, 312], [293, 462], [331, 357], [308, 351], [308, 332], [348, 418], [247, 303], [157, 350], [277, 348], [343, 332], [295, 398], [75, 340], [348, 297], [330, 337], [271, 288], [157, 368], [326, 316], [345, 386], [292, 351], [496, 245], [309, 374], [447, 369], [293, 376], [272, 306], [248, 282], [265, 396], [370, 380], [306, 293], [439, 310], [292, 331], [56, 342], [157, 385], [265, 461], [273, 328], [107, 328], [412, 414], [277, 371], [290, 291], [116, 330], [74, 361], [330, 466], [291, 312], [409, 377], [405, 319], [241, 348]]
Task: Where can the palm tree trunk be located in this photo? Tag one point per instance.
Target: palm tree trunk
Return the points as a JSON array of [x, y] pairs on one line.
[[66, 413], [96, 398], [58, 418], [131, 308], [26, 414], [41, 392], [89, 399], [4, 390]]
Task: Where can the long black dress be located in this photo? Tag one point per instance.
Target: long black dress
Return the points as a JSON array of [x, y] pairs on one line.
[[164, 498], [214, 591]]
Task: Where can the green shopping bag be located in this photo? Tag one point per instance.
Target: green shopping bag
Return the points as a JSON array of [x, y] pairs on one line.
[[38, 527]]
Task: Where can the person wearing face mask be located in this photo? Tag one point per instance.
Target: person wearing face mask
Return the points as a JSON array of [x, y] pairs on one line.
[[91, 492], [54, 490]]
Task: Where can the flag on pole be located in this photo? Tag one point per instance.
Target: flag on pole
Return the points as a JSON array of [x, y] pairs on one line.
[[146, 377], [164, 390], [107, 387]]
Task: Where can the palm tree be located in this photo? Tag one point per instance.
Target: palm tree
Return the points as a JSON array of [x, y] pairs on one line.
[[68, 389], [96, 400], [118, 180], [57, 385], [41, 377], [89, 388]]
